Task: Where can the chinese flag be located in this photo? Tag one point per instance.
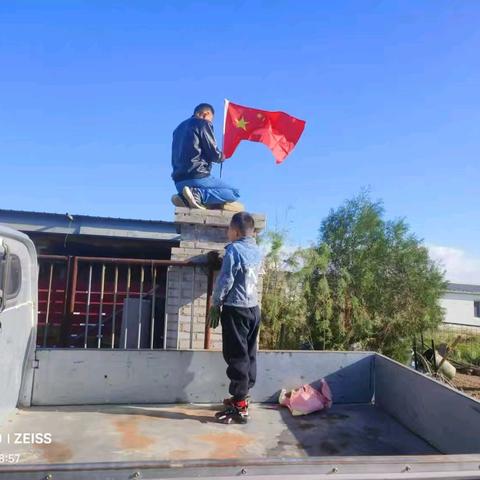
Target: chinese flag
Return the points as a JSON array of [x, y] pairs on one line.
[[277, 130]]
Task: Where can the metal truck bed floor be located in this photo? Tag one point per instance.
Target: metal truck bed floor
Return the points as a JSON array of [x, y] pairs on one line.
[[185, 432]]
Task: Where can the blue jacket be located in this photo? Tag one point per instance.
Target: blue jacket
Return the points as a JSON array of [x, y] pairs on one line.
[[194, 149], [237, 281]]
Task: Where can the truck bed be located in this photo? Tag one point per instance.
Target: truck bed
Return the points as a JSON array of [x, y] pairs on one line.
[[120, 415], [112, 433]]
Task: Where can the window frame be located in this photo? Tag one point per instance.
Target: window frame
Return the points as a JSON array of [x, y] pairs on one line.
[[476, 309], [14, 294], [6, 277], [3, 276]]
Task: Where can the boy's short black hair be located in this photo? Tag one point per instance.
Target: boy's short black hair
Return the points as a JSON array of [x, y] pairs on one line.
[[203, 107], [243, 222]]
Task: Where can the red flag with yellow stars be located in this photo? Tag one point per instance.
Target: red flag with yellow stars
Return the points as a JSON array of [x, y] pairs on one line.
[[279, 131]]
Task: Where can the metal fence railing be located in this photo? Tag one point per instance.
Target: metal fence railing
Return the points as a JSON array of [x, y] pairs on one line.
[[53, 285], [91, 302]]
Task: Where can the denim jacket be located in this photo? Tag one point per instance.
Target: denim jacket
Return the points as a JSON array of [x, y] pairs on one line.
[[237, 281]]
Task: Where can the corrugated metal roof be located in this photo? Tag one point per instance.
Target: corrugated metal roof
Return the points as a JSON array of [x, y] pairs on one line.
[[60, 223], [14, 213], [463, 288]]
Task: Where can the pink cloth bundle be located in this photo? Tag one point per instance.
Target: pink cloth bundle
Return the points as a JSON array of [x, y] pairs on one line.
[[307, 399]]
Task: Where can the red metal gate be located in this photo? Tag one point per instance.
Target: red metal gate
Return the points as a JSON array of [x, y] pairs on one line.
[[82, 302]]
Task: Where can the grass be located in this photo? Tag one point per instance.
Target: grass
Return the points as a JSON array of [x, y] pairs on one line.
[[466, 350]]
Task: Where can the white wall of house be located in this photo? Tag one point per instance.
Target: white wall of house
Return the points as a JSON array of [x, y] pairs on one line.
[[459, 308]]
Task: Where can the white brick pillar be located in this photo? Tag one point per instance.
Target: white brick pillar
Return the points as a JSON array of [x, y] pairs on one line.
[[201, 232]]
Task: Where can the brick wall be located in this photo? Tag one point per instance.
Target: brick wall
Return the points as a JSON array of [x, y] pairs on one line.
[[201, 231]]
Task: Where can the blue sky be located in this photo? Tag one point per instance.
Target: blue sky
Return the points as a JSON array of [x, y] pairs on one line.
[[91, 91]]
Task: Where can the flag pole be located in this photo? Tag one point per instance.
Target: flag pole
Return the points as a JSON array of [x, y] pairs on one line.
[[225, 108]]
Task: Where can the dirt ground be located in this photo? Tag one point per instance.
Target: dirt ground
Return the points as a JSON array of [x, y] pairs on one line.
[[469, 384]]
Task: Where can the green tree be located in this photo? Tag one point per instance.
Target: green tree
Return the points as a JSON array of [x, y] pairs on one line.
[[368, 283], [283, 308], [310, 267], [385, 287]]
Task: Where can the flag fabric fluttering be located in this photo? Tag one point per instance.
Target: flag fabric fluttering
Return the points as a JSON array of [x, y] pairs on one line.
[[279, 131]]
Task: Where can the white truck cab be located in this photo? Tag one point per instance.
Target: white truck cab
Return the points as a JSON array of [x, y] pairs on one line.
[[18, 318]]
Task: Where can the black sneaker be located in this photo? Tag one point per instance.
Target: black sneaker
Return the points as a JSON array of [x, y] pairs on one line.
[[236, 411], [193, 197], [232, 414], [178, 201]]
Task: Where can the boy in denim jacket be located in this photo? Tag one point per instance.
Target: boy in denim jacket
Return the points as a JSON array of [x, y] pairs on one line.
[[235, 296]]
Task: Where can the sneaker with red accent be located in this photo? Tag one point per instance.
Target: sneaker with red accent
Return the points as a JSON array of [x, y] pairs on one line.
[[236, 411], [231, 400]]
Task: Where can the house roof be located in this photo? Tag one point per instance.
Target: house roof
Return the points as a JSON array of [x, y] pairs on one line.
[[463, 288], [61, 223]]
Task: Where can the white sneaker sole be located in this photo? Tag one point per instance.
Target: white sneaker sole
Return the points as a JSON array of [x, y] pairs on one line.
[[188, 195]]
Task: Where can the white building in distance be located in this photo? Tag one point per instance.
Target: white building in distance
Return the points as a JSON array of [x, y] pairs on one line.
[[462, 305]]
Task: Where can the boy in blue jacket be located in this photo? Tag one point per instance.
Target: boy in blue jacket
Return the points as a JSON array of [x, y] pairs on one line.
[[235, 302]]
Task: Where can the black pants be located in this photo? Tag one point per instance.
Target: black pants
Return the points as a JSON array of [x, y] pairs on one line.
[[239, 331]]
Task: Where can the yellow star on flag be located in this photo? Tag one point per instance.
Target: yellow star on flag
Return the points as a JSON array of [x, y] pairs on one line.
[[241, 123]]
